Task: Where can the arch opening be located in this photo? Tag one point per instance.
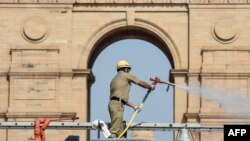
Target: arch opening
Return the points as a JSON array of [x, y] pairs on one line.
[[131, 32], [159, 105], [117, 36]]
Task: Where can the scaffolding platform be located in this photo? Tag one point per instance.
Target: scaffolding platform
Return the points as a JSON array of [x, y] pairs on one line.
[[134, 126]]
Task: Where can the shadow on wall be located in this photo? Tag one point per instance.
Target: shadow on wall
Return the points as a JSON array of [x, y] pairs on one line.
[[72, 138]]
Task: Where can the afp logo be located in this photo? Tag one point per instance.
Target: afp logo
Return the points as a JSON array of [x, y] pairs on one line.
[[236, 132]]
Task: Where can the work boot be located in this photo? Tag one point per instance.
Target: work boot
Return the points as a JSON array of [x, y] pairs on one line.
[[113, 136]]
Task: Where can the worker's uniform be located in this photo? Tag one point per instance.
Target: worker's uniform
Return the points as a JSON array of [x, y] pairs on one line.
[[119, 94]]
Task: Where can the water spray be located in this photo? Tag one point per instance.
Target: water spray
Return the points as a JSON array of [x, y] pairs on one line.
[[228, 98]]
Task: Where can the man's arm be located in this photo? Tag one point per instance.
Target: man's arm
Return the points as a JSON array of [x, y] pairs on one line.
[[135, 80], [146, 85], [132, 105]]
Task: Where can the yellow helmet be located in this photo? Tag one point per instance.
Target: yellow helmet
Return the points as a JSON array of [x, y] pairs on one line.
[[122, 64]]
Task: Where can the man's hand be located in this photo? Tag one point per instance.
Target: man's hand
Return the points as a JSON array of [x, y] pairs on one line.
[[152, 87], [137, 108]]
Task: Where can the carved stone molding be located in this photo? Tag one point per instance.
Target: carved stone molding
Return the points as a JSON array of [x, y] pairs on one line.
[[163, 1], [34, 29], [225, 30], [125, 1], [37, 1], [39, 115], [201, 116]]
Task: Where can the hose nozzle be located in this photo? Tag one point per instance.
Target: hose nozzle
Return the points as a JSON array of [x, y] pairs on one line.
[[158, 80]]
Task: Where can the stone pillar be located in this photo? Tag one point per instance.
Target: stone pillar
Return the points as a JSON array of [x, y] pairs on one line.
[[180, 95]]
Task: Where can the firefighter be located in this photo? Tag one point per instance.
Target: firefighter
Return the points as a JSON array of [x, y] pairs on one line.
[[119, 95]]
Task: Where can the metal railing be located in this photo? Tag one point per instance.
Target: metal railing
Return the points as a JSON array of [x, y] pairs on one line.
[[134, 126]]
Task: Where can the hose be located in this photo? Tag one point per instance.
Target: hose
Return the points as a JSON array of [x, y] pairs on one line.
[[130, 122], [135, 113]]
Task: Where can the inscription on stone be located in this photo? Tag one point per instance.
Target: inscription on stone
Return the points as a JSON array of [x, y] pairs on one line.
[[34, 88]]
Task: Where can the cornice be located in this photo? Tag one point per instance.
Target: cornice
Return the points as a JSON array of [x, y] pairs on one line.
[[125, 1], [39, 1], [216, 116], [40, 115]]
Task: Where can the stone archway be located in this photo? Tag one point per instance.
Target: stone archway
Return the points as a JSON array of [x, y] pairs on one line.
[[145, 31], [173, 43], [118, 30], [100, 49], [129, 33], [54, 58]]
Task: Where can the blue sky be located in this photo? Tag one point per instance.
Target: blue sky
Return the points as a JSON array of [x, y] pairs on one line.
[[146, 61]]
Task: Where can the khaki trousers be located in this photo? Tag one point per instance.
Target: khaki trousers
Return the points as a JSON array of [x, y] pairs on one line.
[[116, 110]]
